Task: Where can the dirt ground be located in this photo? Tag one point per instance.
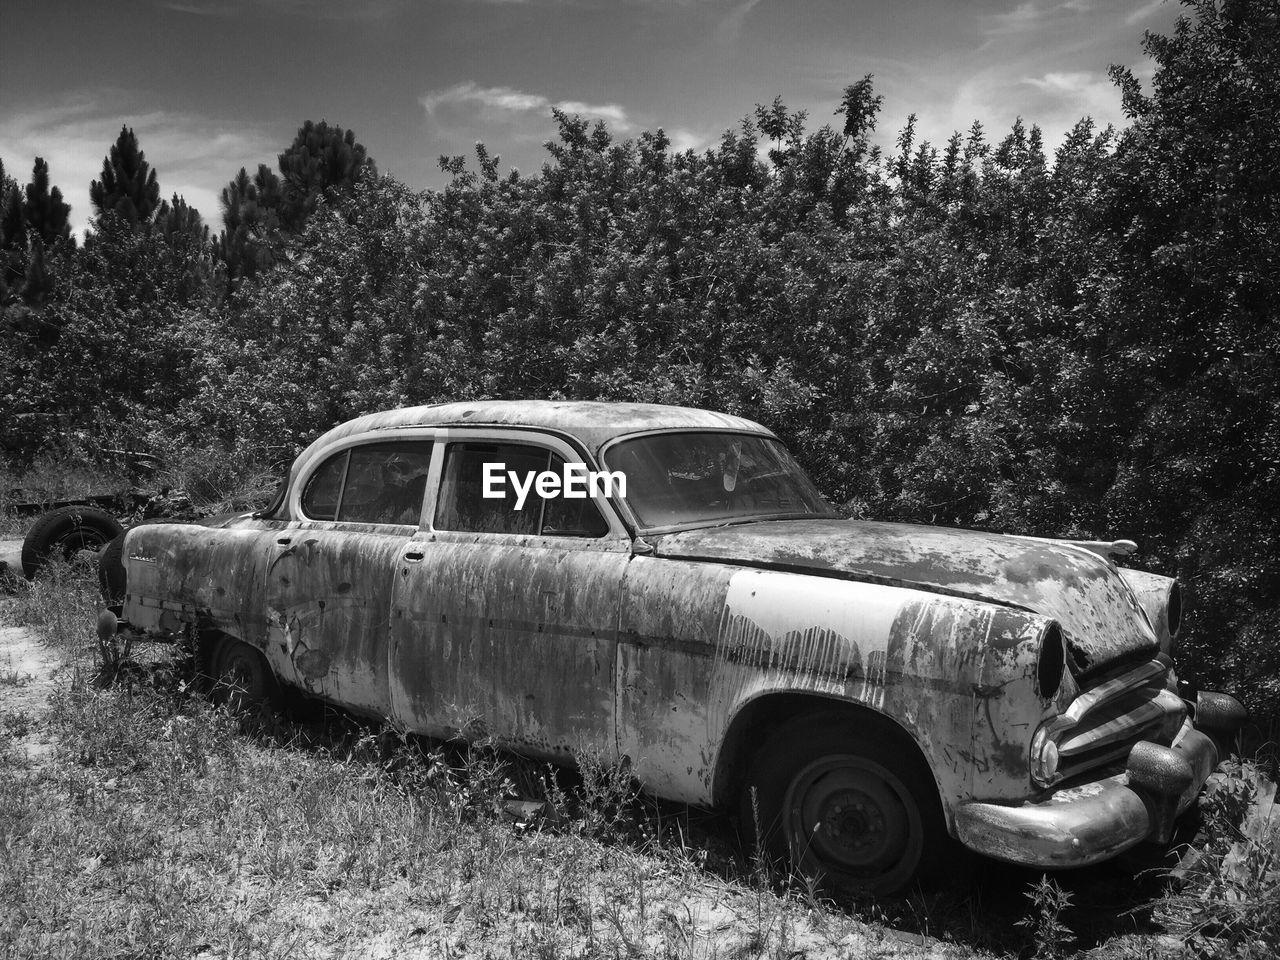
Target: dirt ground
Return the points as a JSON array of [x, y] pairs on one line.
[[30, 672], [10, 558]]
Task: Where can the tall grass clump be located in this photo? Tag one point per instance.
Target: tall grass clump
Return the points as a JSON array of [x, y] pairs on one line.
[[1227, 900], [61, 605]]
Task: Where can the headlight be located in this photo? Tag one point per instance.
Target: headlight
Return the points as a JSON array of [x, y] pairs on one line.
[[1161, 600], [1044, 757], [1051, 663]]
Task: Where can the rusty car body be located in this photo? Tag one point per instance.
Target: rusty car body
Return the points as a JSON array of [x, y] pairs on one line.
[[861, 690]]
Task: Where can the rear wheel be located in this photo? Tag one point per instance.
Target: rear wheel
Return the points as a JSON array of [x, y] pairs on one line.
[[242, 678], [845, 806]]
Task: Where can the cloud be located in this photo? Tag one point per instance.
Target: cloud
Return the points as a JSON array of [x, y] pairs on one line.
[[315, 9], [468, 105], [1143, 12], [1075, 94], [193, 156], [731, 26], [682, 140]]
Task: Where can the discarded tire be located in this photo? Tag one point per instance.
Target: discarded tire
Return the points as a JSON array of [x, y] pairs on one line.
[[64, 532]]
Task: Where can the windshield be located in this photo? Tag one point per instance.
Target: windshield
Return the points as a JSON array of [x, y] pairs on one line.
[[674, 479]]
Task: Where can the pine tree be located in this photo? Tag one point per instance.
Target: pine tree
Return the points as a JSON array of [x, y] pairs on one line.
[[38, 282], [13, 223], [13, 231], [7, 183], [43, 209], [250, 222], [178, 223], [322, 160], [128, 187]]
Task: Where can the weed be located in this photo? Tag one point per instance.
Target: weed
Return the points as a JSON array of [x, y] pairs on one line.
[[14, 678], [1048, 932], [17, 725]]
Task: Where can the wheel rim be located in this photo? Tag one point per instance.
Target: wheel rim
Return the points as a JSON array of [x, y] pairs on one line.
[[80, 538], [850, 818]]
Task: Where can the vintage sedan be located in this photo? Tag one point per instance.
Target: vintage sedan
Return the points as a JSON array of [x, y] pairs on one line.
[[665, 585]]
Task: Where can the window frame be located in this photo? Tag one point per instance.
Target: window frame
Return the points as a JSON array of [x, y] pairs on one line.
[[307, 472]]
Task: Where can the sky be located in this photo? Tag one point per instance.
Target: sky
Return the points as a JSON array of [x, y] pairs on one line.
[[209, 86]]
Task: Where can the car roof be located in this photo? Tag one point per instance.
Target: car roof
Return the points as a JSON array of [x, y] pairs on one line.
[[591, 423]]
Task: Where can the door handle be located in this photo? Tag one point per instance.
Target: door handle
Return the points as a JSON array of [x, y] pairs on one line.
[[414, 556]]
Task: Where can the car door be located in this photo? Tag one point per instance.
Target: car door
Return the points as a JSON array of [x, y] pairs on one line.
[[505, 617], [330, 573]]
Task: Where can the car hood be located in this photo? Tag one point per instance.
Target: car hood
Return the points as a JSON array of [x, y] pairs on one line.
[[1099, 616]]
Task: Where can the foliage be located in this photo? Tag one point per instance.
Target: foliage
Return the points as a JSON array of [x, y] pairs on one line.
[[972, 333]]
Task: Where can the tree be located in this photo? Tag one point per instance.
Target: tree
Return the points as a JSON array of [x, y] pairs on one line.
[[13, 221], [128, 188], [251, 229], [1193, 201], [43, 209], [322, 161], [179, 223]]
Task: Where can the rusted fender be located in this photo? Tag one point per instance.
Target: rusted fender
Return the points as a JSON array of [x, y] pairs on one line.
[[180, 573], [702, 642]]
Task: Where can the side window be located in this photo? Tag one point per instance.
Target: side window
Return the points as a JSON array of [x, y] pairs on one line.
[[374, 483], [386, 483], [464, 507], [320, 498]]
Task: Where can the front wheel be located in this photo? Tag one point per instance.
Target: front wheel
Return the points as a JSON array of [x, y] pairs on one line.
[[845, 806]]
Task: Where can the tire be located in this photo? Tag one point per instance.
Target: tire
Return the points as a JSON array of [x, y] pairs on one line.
[[241, 676], [64, 532], [111, 573], [844, 804]]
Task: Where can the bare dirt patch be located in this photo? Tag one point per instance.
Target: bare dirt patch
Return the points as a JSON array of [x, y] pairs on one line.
[[29, 674]]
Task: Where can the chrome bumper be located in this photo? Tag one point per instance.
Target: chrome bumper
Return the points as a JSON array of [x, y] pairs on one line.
[[1090, 822]]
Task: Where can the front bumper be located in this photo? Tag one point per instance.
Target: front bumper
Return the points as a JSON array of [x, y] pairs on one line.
[[1089, 822]]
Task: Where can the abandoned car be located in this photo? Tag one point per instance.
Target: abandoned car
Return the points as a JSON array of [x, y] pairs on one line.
[[665, 585]]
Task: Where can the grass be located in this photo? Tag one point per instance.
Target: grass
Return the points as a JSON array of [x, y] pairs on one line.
[[164, 826]]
